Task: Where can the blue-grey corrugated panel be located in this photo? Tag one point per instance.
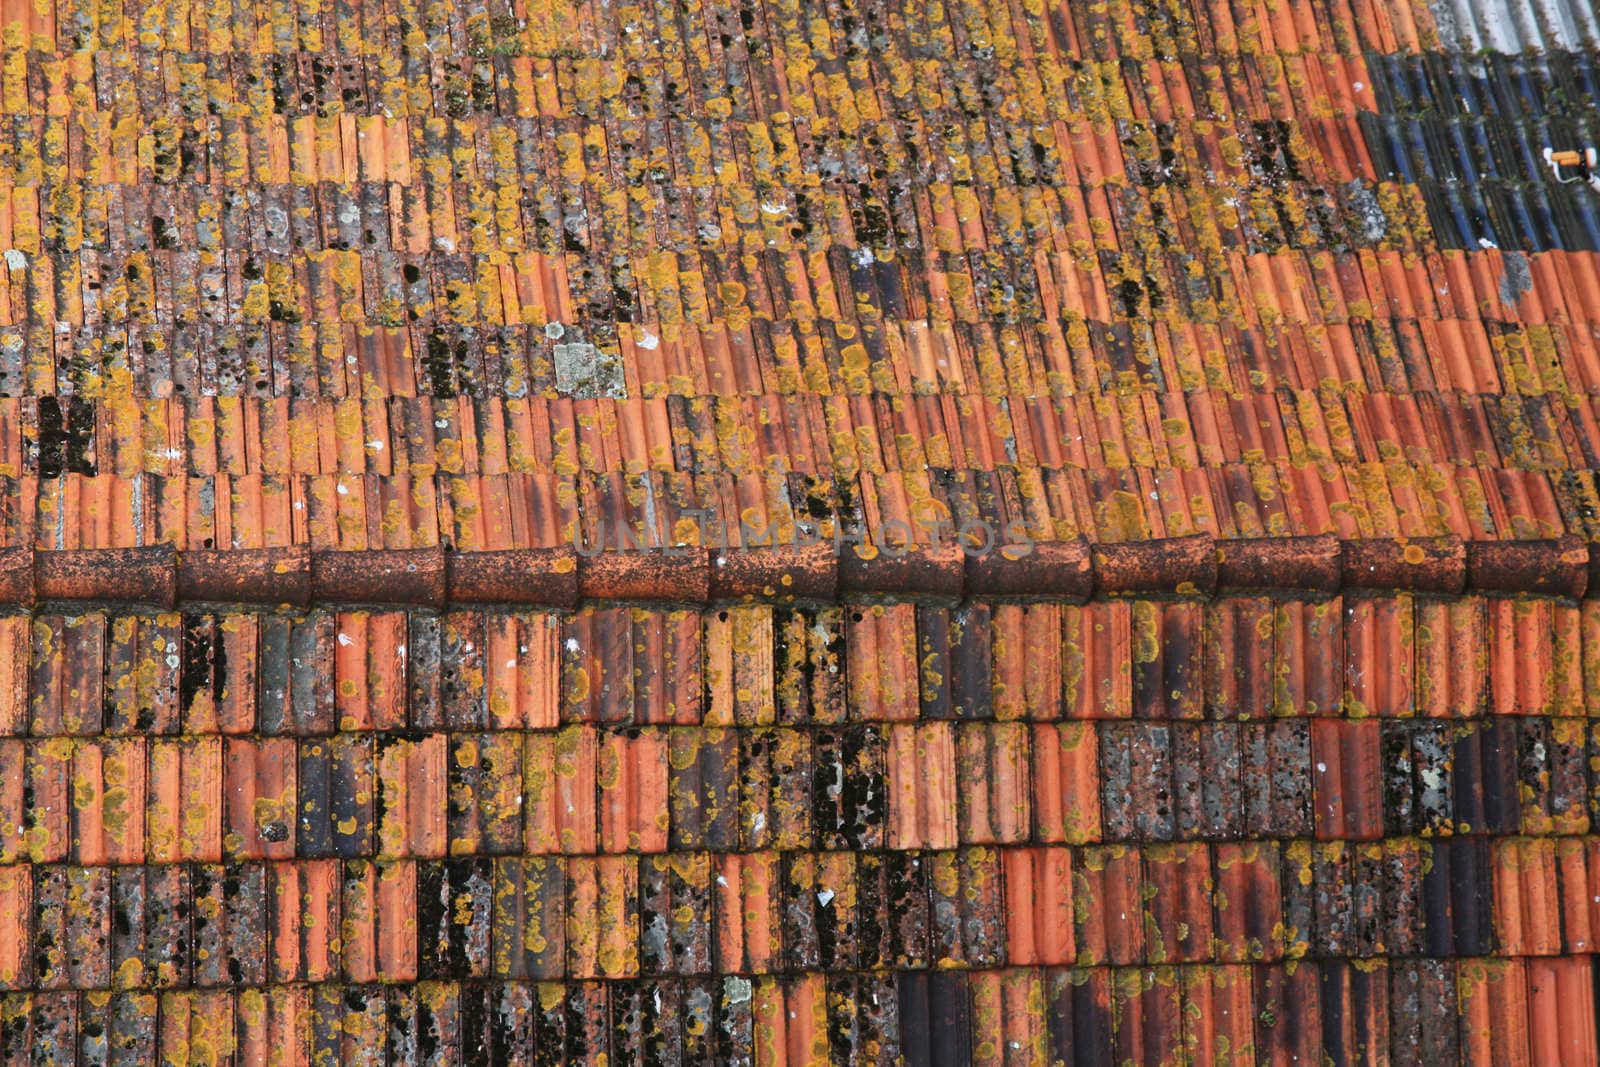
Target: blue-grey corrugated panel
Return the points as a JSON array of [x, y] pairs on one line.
[[1389, 85], [1487, 214], [1587, 127], [1585, 74], [1433, 70], [1473, 131], [1414, 156], [1497, 153], [1451, 226], [1531, 139], [1469, 87], [1421, 87], [1566, 224], [1466, 158], [1509, 86], [1533, 216], [1435, 156], [1512, 226], [1419, 154], [1462, 220], [1505, 231], [1571, 78], [1378, 70], [1587, 208], [1387, 145], [1483, 230], [1476, 133], [1433, 94]]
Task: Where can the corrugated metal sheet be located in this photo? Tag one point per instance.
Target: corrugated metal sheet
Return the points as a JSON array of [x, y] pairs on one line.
[[1509, 26]]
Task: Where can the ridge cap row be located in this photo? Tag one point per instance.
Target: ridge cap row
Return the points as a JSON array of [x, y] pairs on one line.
[[1077, 570]]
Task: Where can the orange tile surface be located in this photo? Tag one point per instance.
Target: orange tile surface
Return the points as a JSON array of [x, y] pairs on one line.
[[456, 366]]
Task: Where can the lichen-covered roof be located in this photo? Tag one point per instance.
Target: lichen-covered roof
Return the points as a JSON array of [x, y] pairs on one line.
[[435, 441]]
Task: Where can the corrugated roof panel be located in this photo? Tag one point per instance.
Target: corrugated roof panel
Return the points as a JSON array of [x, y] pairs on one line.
[[1548, 25]]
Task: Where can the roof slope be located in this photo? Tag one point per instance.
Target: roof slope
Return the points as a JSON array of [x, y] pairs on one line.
[[434, 440], [1140, 827], [393, 277]]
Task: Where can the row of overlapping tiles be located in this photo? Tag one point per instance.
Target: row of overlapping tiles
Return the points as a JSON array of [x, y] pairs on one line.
[[304, 118], [564, 126], [1254, 324], [1229, 131], [824, 436], [702, 57], [585, 791], [330, 284], [1230, 658], [164, 738], [140, 172], [301, 240], [1053, 276], [1505, 1013], [653, 512], [551, 917], [708, 34], [409, 472], [127, 147]]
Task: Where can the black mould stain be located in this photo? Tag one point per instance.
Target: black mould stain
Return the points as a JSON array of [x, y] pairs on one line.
[[66, 437], [205, 661]]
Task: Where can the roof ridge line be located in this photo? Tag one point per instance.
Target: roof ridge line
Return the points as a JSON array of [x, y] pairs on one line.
[[1195, 566]]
